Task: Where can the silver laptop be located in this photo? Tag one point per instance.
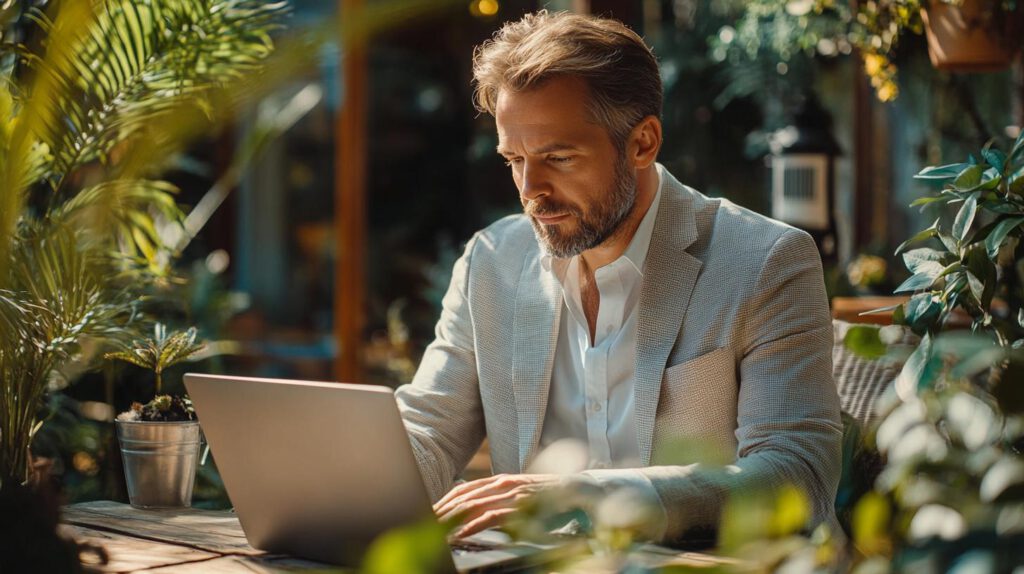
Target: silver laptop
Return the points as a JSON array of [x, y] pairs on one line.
[[319, 470]]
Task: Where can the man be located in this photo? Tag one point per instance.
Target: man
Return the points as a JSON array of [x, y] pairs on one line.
[[623, 309]]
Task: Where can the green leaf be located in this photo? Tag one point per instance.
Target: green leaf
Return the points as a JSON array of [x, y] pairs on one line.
[[924, 259], [1018, 146], [1016, 181], [977, 287], [951, 268], [928, 200], [880, 310], [916, 372], [994, 241], [920, 236], [942, 172], [921, 311], [983, 270], [995, 158], [949, 242], [1001, 206], [990, 179], [917, 282], [969, 179], [863, 341], [965, 217]]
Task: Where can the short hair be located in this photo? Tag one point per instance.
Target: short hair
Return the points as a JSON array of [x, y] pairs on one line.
[[620, 71]]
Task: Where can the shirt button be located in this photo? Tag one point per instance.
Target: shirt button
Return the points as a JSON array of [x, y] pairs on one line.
[[596, 407]]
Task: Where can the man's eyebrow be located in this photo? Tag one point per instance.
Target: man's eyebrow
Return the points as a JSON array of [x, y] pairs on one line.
[[551, 147]]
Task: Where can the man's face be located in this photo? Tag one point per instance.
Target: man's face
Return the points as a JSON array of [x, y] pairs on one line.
[[574, 185]]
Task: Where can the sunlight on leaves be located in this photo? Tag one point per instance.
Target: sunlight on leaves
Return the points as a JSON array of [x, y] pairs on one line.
[[937, 521], [750, 517], [420, 548], [865, 342], [871, 519], [972, 420], [1006, 477]]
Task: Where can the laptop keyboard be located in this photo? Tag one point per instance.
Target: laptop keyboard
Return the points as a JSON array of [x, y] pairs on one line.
[[466, 547]]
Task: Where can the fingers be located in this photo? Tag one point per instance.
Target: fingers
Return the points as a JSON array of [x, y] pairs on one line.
[[463, 488], [484, 503], [470, 490], [469, 509], [489, 519]]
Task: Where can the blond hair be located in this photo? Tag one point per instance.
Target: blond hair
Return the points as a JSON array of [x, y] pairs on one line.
[[618, 68]]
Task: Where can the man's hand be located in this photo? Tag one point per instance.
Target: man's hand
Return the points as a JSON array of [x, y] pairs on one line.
[[486, 503]]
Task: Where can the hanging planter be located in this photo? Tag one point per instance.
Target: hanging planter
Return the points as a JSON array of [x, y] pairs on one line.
[[971, 35]]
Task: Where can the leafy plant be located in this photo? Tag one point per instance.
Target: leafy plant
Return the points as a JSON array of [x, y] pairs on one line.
[[974, 263], [161, 351], [952, 430], [83, 225]]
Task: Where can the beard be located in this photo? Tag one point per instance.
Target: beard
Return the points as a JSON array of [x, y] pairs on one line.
[[595, 223]]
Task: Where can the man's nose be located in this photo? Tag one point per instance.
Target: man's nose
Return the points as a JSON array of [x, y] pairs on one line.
[[533, 183]]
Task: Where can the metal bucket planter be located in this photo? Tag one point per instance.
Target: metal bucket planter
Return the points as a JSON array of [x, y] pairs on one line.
[[159, 462]]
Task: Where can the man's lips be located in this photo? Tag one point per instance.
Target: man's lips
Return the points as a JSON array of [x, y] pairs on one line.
[[548, 218]]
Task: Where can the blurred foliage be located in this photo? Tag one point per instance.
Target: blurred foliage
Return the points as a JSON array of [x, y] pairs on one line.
[[784, 33], [952, 433], [420, 548], [866, 271]]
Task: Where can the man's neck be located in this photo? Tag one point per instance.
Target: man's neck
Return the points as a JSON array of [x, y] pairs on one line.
[[615, 246]]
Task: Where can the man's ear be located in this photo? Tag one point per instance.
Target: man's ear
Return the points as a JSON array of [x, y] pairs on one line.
[[644, 142]]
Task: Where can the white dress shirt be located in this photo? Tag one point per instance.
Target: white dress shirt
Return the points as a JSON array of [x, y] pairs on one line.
[[591, 398]]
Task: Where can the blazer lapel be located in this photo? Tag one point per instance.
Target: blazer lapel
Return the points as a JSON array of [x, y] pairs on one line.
[[669, 276], [535, 334]]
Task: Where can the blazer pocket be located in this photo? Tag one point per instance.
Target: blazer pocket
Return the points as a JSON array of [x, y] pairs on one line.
[[697, 410]]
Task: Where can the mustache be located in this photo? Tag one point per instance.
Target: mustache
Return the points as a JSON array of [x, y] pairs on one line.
[[547, 208]]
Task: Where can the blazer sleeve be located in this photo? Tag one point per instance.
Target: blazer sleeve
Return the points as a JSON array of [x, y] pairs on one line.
[[441, 407], [788, 426]]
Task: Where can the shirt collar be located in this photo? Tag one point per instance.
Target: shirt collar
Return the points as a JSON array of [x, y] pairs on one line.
[[636, 253]]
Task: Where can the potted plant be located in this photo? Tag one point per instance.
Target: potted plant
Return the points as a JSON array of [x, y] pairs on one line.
[[160, 440], [972, 35]]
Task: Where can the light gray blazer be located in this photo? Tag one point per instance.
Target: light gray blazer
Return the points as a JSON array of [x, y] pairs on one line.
[[733, 350]]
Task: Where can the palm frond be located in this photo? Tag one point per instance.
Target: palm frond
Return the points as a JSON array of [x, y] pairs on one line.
[[58, 292], [130, 211], [36, 120], [138, 59], [139, 358]]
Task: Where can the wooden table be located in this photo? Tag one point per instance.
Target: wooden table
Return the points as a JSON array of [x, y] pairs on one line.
[[180, 540], [208, 541]]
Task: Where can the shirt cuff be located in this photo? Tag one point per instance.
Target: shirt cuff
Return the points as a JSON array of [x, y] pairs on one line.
[[612, 479]]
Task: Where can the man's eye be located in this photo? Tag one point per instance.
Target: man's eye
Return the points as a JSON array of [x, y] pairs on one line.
[[513, 161], [560, 159]]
